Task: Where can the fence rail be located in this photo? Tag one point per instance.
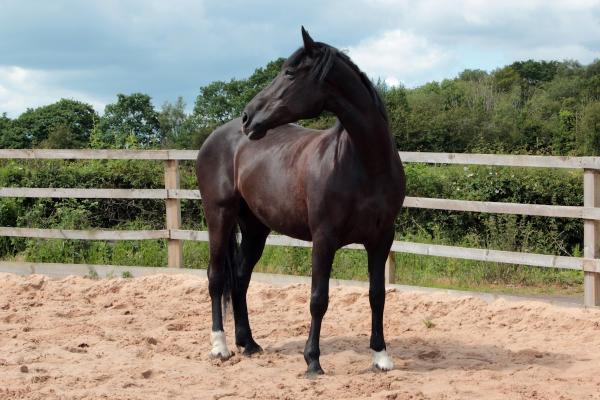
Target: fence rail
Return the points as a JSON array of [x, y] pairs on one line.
[[172, 195], [507, 160]]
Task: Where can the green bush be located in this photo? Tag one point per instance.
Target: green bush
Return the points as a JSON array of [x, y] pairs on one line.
[[500, 184]]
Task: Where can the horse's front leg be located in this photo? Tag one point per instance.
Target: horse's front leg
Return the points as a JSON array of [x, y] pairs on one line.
[[322, 257], [377, 256]]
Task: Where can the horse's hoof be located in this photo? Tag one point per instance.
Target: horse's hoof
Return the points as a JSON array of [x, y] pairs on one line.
[[219, 346], [252, 348], [382, 361], [222, 356], [314, 370]]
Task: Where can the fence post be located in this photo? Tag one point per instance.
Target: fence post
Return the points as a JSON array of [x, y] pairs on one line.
[[173, 207], [591, 236], [390, 268]]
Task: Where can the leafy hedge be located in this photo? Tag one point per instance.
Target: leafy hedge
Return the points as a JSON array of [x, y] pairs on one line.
[[505, 232]]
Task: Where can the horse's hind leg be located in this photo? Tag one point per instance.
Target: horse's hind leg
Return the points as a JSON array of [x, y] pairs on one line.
[[221, 220], [377, 255], [254, 235]]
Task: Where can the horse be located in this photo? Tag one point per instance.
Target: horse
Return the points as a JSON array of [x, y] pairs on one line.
[[261, 173]]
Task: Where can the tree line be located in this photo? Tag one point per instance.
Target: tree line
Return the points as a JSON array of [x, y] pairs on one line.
[[533, 107]]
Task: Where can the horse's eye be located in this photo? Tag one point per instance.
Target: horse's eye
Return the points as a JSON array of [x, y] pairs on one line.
[[289, 73]]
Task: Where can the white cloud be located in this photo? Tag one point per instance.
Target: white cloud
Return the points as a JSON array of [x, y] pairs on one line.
[[564, 52], [167, 49], [22, 88], [397, 56], [417, 42]]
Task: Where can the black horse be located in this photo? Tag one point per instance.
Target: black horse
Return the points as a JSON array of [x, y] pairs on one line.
[[333, 187]]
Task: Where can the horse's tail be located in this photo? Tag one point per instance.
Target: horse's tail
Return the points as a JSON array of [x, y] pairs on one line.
[[232, 259]]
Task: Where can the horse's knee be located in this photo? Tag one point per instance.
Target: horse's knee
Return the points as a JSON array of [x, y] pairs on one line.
[[216, 282], [318, 304]]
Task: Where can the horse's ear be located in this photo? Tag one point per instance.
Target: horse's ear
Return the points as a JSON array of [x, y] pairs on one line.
[[309, 43]]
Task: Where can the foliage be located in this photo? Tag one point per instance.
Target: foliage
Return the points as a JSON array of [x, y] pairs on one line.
[[180, 130], [66, 124], [131, 120], [506, 232], [219, 101]]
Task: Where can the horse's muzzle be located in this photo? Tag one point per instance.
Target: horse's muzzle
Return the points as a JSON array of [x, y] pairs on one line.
[[254, 130]]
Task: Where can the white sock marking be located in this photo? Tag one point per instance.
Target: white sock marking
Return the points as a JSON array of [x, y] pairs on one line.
[[382, 360], [219, 345]]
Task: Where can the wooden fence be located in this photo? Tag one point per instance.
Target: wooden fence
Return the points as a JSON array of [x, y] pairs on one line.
[[172, 194]]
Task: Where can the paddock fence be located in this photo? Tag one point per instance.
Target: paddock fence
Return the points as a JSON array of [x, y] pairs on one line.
[[172, 194]]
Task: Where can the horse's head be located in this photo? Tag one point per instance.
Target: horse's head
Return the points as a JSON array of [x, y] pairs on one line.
[[297, 92]]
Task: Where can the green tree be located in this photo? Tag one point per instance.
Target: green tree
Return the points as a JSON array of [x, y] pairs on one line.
[[535, 72], [5, 123], [505, 79], [61, 137], [592, 80], [131, 116], [10, 136], [219, 102], [398, 113], [66, 123], [473, 75], [590, 129], [179, 129]]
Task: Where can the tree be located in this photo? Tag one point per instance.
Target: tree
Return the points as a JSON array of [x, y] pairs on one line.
[[398, 114], [61, 137], [536, 72], [472, 75], [505, 79], [219, 101], [171, 119], [179, 129], [590, 129], [132, 117], [10, 137], [68, 122]]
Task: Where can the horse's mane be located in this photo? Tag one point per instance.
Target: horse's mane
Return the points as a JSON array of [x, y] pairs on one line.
[[325, 63]]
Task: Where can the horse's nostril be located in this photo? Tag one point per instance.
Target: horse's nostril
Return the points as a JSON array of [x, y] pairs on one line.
[[244, 117]]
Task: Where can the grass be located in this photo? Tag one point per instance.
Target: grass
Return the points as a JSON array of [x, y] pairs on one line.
[[428, 324]]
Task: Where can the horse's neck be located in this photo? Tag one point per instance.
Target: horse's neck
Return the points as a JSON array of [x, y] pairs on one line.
[[367, 130]]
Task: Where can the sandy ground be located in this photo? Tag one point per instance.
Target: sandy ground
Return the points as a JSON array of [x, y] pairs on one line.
[[147, 338]]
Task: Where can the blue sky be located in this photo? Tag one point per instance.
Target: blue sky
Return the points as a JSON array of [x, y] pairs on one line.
[[91, 50]]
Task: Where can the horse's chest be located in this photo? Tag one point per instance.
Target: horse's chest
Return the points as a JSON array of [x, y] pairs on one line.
[[353, 212], [370, 215]]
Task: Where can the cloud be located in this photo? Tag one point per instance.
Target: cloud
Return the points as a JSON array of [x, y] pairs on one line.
[[397, 56], [98, 48], [558, 52], [22, 88]]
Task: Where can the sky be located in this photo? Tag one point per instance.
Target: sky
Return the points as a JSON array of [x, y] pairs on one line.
[[90, 50]]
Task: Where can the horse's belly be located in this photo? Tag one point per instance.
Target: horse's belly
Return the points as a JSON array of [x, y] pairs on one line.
[[282, 218], [276, 203]]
